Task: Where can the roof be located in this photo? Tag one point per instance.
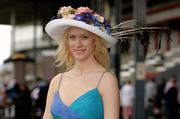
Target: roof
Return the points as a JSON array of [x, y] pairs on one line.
[[18, 57], [27, 10]]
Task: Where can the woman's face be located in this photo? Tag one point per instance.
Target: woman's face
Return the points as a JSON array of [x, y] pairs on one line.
[[81, 43]]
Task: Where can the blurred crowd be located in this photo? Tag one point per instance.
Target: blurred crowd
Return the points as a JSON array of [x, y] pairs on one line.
[[161, 99], [19, 102]]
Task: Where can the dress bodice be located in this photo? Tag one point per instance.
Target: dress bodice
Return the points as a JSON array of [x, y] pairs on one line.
[[87, 106]]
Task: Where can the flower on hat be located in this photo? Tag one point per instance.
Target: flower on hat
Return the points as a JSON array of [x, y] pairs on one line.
[[81, 10], [85, 15], [99, 18], [66, 12]]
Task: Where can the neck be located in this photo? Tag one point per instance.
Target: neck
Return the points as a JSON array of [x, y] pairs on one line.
[[87, 66]]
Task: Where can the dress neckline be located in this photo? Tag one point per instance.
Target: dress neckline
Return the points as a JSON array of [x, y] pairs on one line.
[[82, 95], [79, 97]]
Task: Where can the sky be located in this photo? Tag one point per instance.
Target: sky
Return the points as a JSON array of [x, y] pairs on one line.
[[5, 42]]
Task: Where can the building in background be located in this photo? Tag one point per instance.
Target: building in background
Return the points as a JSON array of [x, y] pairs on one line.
[[29, 17]]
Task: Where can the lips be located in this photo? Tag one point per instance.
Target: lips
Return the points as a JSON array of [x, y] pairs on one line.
[[79, 50]]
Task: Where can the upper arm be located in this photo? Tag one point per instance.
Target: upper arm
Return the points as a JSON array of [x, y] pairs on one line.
[[51, 91], [109, 90]]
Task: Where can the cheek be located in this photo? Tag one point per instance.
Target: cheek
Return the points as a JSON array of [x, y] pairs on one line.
[[69, 47], [70, 44], [91, 46], [90, 43]]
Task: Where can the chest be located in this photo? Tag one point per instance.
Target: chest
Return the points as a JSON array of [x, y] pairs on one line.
[[72, 88]]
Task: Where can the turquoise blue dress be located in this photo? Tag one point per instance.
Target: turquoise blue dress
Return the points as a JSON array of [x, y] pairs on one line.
[[87, 106]]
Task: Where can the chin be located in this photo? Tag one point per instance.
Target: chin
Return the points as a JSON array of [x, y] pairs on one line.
[[80, 58]]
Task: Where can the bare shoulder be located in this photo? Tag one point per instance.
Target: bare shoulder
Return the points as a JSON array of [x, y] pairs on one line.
[[109, 78], [109, 90], [108, 82], [55, 81]]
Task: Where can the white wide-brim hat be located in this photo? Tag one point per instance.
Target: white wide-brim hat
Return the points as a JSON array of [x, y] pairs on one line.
[[56, 28]]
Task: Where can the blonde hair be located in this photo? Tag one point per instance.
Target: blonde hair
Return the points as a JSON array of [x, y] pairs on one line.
[[65, 59]]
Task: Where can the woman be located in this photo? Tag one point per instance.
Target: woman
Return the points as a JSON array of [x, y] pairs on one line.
[[87, 89]]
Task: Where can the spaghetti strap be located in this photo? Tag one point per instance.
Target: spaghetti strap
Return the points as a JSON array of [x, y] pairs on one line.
[[101, 78], [60, 81]]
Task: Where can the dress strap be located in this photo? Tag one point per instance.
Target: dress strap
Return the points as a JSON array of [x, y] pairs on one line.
[[101, 78], [60, 81]]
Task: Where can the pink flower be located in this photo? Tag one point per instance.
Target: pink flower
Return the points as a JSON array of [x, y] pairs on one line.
[[83, 9]]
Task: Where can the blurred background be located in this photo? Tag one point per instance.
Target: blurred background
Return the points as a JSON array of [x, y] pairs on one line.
[[27, 56]]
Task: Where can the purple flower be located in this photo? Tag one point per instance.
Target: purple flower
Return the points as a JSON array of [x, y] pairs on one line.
[[96, 23], [85, 15], [78, 17]]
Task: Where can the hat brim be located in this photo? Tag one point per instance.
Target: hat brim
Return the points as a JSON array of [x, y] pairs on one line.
[[56, 28]]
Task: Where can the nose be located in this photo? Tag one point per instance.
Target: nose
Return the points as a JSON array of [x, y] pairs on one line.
[[78, 42]]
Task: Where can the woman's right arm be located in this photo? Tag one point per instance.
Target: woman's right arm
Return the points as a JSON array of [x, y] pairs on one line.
[[51, 91]]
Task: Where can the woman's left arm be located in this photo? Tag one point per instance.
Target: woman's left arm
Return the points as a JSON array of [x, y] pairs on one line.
[[109, 90]]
